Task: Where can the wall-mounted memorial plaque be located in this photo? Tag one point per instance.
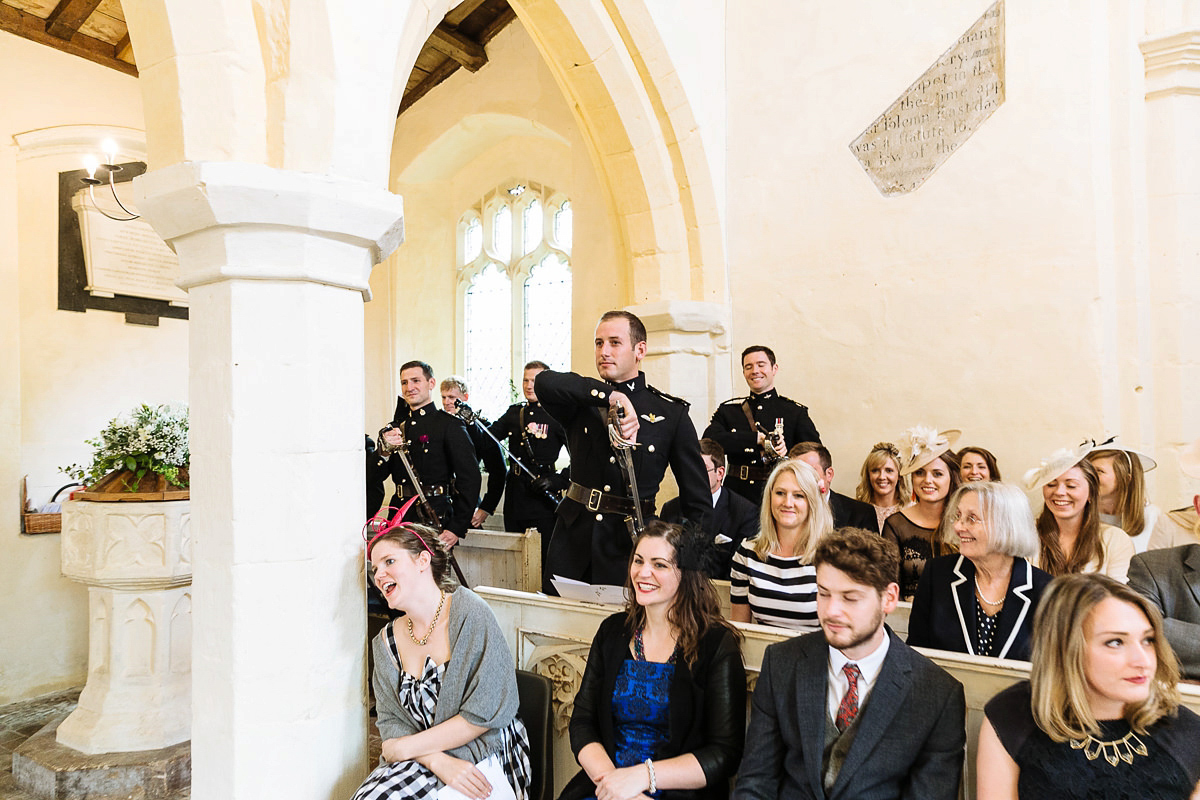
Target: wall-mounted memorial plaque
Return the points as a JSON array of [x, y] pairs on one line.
[[123, 256], [110, 265], [939, 111]]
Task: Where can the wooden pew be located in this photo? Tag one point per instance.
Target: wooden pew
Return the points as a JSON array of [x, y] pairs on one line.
[[503, 559], [552, 636]]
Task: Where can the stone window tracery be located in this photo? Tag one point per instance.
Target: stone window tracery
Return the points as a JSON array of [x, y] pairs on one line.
[[514, 278]]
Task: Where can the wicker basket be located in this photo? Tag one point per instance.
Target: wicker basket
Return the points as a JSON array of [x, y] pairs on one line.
[[34, 522]]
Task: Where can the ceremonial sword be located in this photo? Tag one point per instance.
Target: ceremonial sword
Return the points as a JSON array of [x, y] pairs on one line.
[[471, 417]]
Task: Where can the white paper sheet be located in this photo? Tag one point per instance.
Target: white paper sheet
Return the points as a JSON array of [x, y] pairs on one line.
[[491, 769], [589, 593]]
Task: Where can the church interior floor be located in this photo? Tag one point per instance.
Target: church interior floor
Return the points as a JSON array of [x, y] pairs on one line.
[[21, 720]]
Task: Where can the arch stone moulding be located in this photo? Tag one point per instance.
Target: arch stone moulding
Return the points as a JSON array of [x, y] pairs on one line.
[[612, 65]]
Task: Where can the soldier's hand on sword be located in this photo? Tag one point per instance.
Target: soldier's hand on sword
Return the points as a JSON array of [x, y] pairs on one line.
[[448, 538], [393, 436], [628, 424]]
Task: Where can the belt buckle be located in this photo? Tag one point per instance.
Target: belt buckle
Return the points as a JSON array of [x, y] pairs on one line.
[[593, 500], [744, 472]]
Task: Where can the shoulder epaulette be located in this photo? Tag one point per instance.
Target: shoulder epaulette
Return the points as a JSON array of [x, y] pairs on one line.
[[793, 402], [733, 401], [669, 397]]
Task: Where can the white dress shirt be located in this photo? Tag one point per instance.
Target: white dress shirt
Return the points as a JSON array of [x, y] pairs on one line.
[[837, 684]]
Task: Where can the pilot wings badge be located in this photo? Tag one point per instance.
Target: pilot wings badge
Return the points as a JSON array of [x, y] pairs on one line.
[[652, 417]]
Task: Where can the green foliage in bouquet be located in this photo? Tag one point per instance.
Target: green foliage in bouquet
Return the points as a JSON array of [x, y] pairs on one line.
[[147, 439]]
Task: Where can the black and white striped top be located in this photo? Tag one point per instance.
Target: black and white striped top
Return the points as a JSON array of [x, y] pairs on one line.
[[780, 591]]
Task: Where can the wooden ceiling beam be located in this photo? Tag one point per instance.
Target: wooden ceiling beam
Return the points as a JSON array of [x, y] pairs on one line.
[[32, 27], [436, 76], [497, 25], [461, 11], [120, 47], [450, 42], [68, 17]]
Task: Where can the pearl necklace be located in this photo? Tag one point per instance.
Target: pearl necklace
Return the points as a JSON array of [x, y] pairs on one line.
[[424, 640], [979, 592]]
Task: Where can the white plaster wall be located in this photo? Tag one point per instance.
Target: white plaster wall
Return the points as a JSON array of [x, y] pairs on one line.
[[1002, 296], [514, 124], [63, 374]]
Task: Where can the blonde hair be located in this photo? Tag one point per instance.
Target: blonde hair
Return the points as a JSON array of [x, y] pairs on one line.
[[1131, 488], [818, 523], [879, 455], [1057, 677]]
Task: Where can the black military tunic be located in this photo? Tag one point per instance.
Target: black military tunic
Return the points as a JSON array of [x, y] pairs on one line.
[[535, 438], [729, 427], [444, 459], [590, 545]]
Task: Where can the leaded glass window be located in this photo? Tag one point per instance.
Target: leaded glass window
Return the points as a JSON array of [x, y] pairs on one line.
[[489, 339], [515, 281], [547, 329]]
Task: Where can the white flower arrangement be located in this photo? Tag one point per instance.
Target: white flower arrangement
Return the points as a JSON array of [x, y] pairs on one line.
[[147, 439]]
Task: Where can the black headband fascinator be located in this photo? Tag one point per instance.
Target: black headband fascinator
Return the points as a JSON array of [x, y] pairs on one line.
[[696, 550]]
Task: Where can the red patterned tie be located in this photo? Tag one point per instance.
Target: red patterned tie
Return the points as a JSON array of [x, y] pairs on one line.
[[848, 710]]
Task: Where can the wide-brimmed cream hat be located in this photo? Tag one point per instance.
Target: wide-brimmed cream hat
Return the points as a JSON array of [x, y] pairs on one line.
[[921, 444], [1111, 443], [1189, 459], [1059, 462]]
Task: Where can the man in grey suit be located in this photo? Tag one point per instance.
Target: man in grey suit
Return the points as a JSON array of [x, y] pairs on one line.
[[1171, 580], [852, 712]]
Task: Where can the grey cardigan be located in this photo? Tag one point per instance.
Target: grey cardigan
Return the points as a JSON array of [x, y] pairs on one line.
[[479, 682]]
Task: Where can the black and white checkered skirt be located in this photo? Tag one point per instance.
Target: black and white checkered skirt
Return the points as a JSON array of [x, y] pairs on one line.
[[408, 779]]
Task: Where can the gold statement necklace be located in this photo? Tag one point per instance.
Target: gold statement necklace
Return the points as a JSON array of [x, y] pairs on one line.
[[1123, 749], [424, 640]]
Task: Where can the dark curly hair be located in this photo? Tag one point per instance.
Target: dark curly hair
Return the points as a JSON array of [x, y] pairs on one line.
[[696, 608]]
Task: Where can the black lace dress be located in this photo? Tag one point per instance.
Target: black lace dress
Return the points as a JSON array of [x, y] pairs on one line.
[[1161, 764], [915, 549]]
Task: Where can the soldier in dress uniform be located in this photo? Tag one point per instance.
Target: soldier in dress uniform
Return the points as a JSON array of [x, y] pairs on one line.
[[536, 439], [743, 425], [453, 389], [592, 540], [439, 450]]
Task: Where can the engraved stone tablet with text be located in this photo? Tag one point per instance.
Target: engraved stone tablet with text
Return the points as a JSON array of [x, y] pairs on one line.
[[939, 111]]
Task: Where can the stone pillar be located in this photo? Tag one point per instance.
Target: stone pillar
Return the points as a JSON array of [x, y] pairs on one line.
[[688, 352], [276, 264], [136, 560], [1172, 60]]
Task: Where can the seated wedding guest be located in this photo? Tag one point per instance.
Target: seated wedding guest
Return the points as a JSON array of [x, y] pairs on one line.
[[851, 711], [982, 600], [439, 716], [661, 708], [772, 580], [847, 512], [977, 464], [1123, 501], [1171, 580], [1072, 537], [1100, 715], [926, 455], [734, 518], [1181, 526], [881, 484]]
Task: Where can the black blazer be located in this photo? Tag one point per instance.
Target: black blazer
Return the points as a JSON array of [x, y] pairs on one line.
[[707, 714], [851, 513], [911, 730], [1171, 579], [943, 610], [733, 516]]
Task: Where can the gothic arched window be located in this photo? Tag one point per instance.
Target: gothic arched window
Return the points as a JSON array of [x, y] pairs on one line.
[[514, 277]]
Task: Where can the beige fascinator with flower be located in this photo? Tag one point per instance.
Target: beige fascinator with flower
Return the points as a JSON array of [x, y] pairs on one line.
[[921, 444], [1059, 462]]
